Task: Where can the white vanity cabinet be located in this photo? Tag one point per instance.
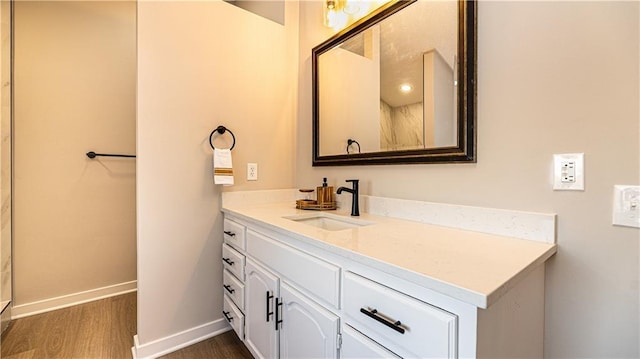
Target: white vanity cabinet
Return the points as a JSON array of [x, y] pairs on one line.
[[283, 322], [304, 299]]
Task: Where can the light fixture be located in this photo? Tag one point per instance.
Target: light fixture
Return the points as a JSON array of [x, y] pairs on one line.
[[406, 88], [334, 16], [352, 7], [340, 13]]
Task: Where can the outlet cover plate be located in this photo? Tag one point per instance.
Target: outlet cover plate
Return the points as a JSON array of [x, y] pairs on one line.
[[568, 172], [626, 206], [252, 171]]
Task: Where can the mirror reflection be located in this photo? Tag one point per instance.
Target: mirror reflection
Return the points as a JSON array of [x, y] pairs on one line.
[[392, 86], [398, 87]]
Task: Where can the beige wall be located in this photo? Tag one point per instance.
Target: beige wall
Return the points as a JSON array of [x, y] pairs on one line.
[[5, 155], [344, 118], [554, 77], [74, 92], [200, 65]]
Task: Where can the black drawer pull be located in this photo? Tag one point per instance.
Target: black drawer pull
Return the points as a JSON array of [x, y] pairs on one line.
[[228, 288], [373, 313], [228, 260], [229, 233], [227, 316]]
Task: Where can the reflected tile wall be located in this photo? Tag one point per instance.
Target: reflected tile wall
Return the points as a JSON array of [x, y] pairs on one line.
[[401, 128], [387, 138]]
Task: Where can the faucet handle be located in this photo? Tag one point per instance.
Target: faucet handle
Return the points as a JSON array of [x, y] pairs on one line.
[[352, 180]]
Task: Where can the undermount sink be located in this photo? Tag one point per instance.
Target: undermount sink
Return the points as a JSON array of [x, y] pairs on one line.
[[328, 222]]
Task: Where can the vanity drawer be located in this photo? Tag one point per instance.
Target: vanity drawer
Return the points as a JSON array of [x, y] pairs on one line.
[[234, 234], [356, 345], [321, 279], [401, 323], [233, 261], [233, 288], [233, 316]]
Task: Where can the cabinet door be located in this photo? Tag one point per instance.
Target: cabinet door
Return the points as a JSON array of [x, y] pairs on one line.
[[307, 329], [260, 290]]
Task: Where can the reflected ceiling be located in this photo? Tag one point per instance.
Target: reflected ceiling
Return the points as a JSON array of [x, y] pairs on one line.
[[399, 38]]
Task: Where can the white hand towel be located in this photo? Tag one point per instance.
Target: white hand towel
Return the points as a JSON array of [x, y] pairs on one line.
[[222, 167]]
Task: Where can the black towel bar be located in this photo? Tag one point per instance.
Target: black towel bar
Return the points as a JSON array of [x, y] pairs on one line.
[[92, 154]]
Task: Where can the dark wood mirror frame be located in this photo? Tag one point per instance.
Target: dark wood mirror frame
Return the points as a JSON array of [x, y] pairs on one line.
[[465, 151]]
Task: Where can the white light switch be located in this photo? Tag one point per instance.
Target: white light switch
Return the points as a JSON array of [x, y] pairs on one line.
[[568, 172], [626, 206]]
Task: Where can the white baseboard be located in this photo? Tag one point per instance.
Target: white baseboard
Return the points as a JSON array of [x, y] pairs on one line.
[[47, 305], [169, 344]]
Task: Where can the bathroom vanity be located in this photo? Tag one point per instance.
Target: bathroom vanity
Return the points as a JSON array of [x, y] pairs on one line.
[[328, 285]]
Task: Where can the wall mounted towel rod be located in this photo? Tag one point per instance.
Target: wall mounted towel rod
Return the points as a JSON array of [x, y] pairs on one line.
[[92, 154]]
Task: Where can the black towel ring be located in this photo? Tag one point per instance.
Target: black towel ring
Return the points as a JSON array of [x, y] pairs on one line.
[[351, 142], [221, 130]]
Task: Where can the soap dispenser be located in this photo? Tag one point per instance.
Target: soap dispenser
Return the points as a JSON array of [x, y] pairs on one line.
[[324, 193]]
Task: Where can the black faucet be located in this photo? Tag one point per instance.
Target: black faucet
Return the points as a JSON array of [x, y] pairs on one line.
[[355, 209]]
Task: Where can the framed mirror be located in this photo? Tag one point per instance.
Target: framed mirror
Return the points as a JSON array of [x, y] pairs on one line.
[[398, 86]]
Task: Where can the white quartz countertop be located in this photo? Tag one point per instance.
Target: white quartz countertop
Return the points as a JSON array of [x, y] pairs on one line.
[[473, 267]]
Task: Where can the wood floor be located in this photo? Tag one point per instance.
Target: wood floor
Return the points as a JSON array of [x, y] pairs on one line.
[[223, 346], [103, 329]]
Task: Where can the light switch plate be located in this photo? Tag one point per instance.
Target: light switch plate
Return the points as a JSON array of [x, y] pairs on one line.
[[626, 206], [568, 172]]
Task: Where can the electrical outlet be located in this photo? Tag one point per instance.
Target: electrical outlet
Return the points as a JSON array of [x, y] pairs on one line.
[[626, 206], [568, 172], [252, 171]]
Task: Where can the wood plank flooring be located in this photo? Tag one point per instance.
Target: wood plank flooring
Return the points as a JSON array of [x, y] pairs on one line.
[[100, 329], [103, 329], [223, 346]]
